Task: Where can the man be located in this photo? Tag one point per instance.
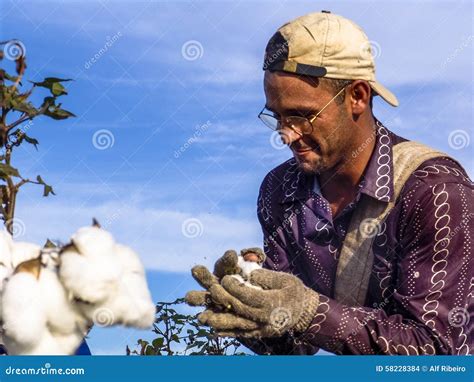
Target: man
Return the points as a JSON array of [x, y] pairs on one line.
[[367, 236]]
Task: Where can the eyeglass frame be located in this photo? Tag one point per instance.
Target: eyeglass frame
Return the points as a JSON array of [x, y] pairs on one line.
[[310, 120]]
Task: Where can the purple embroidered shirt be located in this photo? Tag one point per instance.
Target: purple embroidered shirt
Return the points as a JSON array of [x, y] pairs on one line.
[[421, 291]]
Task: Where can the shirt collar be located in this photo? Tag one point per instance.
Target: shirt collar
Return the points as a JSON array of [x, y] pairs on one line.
[[377, 179]]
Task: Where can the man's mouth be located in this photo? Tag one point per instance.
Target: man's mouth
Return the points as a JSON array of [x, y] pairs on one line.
[[301, 151]]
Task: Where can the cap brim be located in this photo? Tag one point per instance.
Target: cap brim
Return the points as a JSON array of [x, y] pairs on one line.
[[383, 92]]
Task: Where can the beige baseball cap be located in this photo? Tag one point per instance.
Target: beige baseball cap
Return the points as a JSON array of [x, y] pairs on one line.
[[323, 44]]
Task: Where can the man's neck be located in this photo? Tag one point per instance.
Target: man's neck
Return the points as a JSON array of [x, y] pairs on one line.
[[339, 185]]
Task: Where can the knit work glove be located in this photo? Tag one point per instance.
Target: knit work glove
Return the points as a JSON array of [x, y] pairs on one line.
[[225, 265], [283, 304]]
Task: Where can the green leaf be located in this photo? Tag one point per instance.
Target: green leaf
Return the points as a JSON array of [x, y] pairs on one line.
[[57, 89], [149, 351], [47, 188], [158, 342], [20, 136], [175, 338], [4, 74], [48, 101], [18, 104], [54, 85], [31, 141], [7, 170], [58, 113]]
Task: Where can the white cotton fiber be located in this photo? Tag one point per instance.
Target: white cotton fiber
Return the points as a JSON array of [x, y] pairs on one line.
[[109, 277], [88, 268], [37, 316], [23, 313], [47, 306], [246, 268]]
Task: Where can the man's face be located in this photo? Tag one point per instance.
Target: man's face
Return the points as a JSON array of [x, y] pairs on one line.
[[330, 141]]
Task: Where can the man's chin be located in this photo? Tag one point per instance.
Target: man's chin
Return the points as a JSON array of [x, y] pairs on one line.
[[310, 167]]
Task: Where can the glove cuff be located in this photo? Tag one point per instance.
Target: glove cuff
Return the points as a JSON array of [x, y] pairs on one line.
[[309, 311]]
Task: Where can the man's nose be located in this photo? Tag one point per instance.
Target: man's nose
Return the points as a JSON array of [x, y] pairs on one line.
[[288, 135]]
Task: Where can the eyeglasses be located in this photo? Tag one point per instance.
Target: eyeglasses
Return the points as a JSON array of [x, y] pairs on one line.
[[300, 125]]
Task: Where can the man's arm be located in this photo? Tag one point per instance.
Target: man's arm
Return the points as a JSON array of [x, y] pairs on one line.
[[433, 303], [277, 260]]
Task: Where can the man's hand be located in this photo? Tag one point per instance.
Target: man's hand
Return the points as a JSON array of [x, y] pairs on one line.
[[284, 303], [225, 265]]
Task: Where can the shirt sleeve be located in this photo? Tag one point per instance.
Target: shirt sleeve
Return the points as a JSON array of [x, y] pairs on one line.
[[431, 308], [277, 260]]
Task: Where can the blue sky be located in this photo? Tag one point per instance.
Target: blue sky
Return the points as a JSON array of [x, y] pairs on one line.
[[177, 91]]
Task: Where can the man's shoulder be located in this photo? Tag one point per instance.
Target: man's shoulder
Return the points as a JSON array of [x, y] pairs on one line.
[[441, 173], [441, 170]]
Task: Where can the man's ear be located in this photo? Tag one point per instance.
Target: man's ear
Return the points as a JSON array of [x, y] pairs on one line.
[[360, 94]]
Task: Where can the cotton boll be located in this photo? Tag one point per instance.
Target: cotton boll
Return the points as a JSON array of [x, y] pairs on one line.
[[131, 304], [93, 241], [89, 269], [128, 259], [23, 251], [37, 316], [89, 279], [107, 279], [246, 268], [134, 300], [23, 313], [67, 326], [6, 242], [6, 267], [61, 315]]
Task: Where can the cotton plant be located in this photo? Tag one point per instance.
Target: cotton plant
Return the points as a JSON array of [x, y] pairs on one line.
[[51, 297]]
